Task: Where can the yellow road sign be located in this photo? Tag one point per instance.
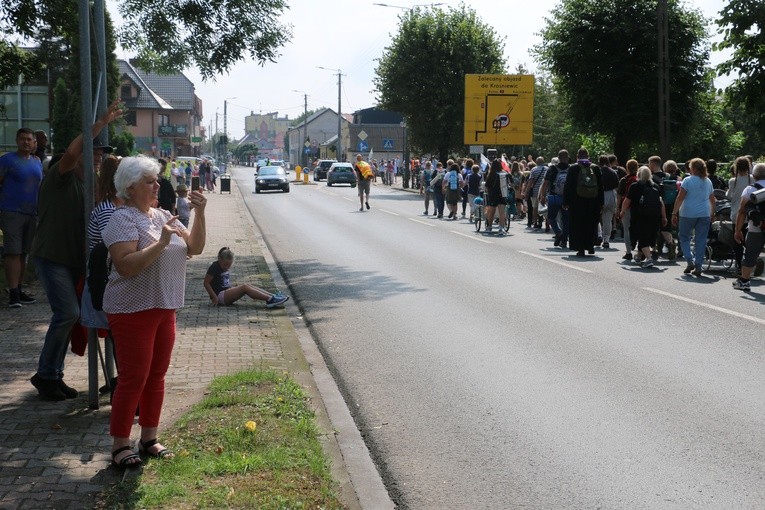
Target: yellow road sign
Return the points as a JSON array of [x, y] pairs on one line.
[[499, 109]]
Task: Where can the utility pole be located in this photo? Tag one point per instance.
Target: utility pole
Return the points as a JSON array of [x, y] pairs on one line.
[[305, 127], [217, 145], [663, 61], [339, 144]]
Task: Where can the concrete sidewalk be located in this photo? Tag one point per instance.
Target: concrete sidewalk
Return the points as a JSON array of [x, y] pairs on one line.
[[56, 454]]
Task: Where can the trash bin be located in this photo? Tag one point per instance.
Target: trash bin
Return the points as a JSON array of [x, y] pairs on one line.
[[225, 183]]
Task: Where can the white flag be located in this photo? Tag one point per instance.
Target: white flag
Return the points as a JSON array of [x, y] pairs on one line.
[[371, 153], [484, 163]]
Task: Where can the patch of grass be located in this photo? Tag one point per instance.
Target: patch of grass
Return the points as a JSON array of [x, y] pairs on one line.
[[220, 462]]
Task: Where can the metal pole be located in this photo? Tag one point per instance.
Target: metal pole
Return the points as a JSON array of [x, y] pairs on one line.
[[20, 102], [100, 39], [217, 145], [86, 93], [225, 129]]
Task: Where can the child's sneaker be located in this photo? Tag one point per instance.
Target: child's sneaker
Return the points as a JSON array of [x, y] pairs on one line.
[[276, 300], [739, 285]]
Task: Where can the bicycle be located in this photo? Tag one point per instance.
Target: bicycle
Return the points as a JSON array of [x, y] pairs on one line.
[[478, 213]]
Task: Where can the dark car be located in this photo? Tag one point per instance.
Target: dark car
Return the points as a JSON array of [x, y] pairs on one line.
[[341, 173], [321, 169], [271, 177]]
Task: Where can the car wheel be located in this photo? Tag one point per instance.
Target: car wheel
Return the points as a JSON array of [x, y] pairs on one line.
[[257, 190], [329, 183], [287, 189]]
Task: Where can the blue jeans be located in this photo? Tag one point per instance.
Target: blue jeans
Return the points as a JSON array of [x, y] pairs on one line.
[[700, 229], [59, 282], [555, 206], [439, 197]]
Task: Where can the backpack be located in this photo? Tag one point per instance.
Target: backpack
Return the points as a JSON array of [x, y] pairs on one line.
[[756, 212], [650, 201], [560, 181], [366, 170], [669, 190], [587, 183], [453, 180], [98, 274]]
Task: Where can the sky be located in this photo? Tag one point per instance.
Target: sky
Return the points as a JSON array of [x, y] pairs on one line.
[[350, 35]]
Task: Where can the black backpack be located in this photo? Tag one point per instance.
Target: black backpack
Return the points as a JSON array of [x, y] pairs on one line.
[[98, 274], [650, 200]]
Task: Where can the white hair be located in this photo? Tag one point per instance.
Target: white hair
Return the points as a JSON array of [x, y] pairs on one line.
[[132, 170], [644, 174], [758, 172]]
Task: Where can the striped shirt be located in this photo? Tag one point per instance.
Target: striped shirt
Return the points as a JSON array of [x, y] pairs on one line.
[[99, 218]]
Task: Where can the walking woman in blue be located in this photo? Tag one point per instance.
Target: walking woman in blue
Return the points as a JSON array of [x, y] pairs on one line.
[[693, 213]]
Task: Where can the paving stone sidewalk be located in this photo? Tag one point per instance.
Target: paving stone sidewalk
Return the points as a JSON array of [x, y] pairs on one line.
[[56, 454]]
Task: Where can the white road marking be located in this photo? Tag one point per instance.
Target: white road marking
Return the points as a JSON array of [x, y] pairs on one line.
[[548, 259], [389, 212], [707, 305], [474, 238], [350, 199], [421, 222]]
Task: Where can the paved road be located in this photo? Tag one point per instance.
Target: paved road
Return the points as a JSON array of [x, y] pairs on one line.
[[490, 372]]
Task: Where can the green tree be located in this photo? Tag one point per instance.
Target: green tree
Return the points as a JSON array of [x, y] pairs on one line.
[[123, 143], [741, 24], [602, 55], [64, 127], [299, 120], [168, 36], [443, 46]]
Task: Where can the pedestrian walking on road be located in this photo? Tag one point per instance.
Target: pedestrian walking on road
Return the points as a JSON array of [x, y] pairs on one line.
[[754, 239], [425, 188], [693, 213], [452, 183], [364, 177], [648, 213], [583, 197], [145, 289], [438, 191], [551, 195]]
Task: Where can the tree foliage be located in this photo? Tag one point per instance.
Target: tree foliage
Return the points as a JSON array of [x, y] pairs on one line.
[[422, 73], [602, 55], [244, 151], [741, 24], [123, 143], [170, 35]]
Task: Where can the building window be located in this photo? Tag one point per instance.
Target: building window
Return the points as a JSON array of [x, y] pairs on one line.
[[126, 92], [130, 118], [164, 120]]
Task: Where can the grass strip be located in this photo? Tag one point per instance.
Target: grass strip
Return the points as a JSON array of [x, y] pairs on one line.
[[251, 443]]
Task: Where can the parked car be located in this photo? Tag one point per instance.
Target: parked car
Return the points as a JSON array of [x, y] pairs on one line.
[[321, 169], [341, 173], [272, 178]]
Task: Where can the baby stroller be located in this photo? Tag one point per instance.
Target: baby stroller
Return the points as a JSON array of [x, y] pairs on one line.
[[720, 245]]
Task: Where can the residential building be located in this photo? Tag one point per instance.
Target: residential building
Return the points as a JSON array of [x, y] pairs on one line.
[[268, 128], [163, 112], [381, 132], [318, 129]]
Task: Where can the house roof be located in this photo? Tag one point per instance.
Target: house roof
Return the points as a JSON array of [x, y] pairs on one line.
[[157, 91]]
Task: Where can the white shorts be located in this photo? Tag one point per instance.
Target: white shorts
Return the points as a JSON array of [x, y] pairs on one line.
[[220, 297]]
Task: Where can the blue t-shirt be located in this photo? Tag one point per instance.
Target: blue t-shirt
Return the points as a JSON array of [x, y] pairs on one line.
[[696, 202], [21, 183]]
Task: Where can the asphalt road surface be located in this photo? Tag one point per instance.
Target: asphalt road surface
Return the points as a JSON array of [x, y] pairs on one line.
[[492, 372]]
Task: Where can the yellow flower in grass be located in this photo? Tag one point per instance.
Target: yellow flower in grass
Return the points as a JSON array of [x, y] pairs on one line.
[[251, 426]]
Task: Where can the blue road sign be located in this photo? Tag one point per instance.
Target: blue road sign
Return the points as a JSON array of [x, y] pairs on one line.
[[363, 146], [307, 150], [387, 143]]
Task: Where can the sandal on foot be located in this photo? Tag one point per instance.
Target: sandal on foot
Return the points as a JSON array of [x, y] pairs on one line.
[[129, 461], [164, 453]]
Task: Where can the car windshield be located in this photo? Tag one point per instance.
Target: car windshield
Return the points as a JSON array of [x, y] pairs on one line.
[[271, 170], [342, 169]]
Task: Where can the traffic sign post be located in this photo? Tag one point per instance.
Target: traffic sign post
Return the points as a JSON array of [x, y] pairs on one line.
[[499, 109], [363, 146]]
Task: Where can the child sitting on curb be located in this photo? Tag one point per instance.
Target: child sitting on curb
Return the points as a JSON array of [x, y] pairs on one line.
[[218, 285]]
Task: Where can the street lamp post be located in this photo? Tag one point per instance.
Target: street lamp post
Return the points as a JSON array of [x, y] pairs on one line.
[[224, 142], [405, 154], [339, 143]]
